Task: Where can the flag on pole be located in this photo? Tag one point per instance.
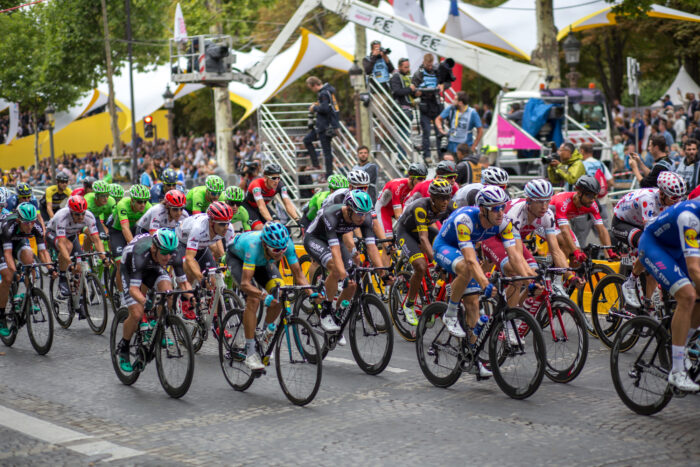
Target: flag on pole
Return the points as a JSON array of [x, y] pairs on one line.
[[453, 28], [14, 122], [180, 28]]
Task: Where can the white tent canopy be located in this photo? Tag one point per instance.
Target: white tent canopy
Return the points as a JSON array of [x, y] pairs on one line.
[[678, 89]]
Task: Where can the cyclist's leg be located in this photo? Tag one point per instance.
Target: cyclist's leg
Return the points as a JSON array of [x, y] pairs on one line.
[[116, 245], [450, 258], [410, 248], [350, 285], [250, 320], [255, 219], [270, 276], [7, 275]]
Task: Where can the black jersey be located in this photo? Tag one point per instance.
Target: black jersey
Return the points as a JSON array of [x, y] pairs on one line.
[[138, 262], [418, 216], [330, 225], [11, 234]]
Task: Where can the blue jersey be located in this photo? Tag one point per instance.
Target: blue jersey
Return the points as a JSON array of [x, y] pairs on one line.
[[249, 247], [157, 192], [13, 201], [678, 227], [463, 228]]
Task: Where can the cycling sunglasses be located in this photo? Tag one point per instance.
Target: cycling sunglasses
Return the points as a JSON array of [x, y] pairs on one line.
[[498, 208], [140, 201], [278, 250], [419, 178], [79, 214], [233, 203], [361, 188], [274, 178], [221, 224], [102, 195], [166, 252]]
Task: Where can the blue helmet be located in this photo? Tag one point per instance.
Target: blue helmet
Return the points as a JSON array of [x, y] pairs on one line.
[[275, 235]]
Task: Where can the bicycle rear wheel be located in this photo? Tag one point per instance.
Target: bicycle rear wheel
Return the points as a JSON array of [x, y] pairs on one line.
[[232, 352], [438, 351], [39, 321], [95, 304], [299, 376], [584, 296], [115, 335], [397, 297], [567, 350], [174, 357], [517, 368], [371, 334], [640, 375], [61, 307]]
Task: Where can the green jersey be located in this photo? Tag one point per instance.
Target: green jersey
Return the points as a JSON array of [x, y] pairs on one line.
[[241, 217], [197, 200], [122, 211], [100, 212], [315, 203]]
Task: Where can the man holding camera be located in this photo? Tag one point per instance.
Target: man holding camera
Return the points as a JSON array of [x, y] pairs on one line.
[[326, 110], [461, 120], [378, 65], [428, 89], [566, 166]]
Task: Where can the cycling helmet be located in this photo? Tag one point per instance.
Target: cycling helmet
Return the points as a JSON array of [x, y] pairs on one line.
[[140, 192], [234, 194], [359, 201], [169, 177], [446, 168], [89, 181], [165, 239], [440, 187], [61, 177], [26, 212], [214, 184], [491, 196], [77, 204], [538, 189], [275, 235], [358, 178], [494, 176], [116, 191], [272, 169], [3, 195], [175, 199], [671, 184], [100, 186], [588, 184], [417, 169], [23, 189], [219, 212], [337, 181]]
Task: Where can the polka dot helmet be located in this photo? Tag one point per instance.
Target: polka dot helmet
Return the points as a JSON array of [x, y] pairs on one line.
[[671, 184]]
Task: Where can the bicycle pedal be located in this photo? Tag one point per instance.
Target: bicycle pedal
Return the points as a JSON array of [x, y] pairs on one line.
[[259, 373], [266, 360]]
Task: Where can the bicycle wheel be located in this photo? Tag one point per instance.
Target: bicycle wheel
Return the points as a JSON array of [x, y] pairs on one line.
[[517, 369], [299, 376], [397, 296], [232, 352], [438, 351], [585, 294], [95, 304], [607, 308], [640, 375], [12, 324], [61, 307], [565, 338], [309, 311], [39, 321], [115, 335], [174, 357], [115, 298], [371, 334]]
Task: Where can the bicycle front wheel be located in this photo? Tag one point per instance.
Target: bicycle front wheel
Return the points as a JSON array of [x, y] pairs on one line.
[[566, 339], [299, 376], [115, 335], [174, 357], [39, 321], [310, 311], [584, 297], [607, 309], [397, 297], [371, 334], [438, 350], [61, 307], [95, 304], [640, 375], [232, 352]]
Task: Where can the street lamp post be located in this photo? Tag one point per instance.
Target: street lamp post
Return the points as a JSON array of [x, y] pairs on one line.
[[356, 81], [169, 104], [572, 55], [51, 119]]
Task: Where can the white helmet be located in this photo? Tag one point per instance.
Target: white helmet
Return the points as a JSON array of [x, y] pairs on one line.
[[494, 176], [539, 189], [491, 196], [671, 184], [358, 178]]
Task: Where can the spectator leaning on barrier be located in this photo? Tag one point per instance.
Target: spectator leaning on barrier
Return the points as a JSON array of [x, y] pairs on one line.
[[688, 168], [645, 176], [378, 64], [461, 120], [568, 169]]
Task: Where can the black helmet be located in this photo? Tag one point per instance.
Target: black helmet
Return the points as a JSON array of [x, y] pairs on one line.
[[272, 169], [88, 181], [588, 184], [61, 177], [446, 168], [417, 169]]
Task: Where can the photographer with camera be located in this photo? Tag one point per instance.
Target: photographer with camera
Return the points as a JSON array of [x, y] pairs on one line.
[[428, 88], [565, 166], [325, 125], [378, 64]]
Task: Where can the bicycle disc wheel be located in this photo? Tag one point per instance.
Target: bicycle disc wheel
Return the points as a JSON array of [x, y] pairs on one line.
[[61, 307], [39, 321], [517, 368], [232, 352], [307, 310], [115, 335], [95, 304], [397, 297], [640, 375], [299, 376], [438, 351], [565, 338], [585, 294], [174, 357], [371, 334]]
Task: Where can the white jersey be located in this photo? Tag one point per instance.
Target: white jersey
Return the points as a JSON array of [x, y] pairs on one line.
[[157, 217], [63, 225], [517, 214], [337, 197], [194, 232], [466, 196], [640, 207]]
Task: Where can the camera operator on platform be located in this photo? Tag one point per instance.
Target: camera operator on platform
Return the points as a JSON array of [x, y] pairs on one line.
[[378, 64]]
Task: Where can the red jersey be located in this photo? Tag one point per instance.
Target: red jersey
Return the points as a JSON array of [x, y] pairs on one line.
[[422, 189], [565, 209], [392, 197], [258, 190]]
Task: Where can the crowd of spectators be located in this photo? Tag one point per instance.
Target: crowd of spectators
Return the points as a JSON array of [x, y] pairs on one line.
[[26, 125]]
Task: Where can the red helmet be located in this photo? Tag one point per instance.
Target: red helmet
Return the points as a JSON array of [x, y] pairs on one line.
[[175, 199], [219, 212], [77, 204]]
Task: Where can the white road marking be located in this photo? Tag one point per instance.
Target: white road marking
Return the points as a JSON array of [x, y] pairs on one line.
[[346, 361], [58, 435]]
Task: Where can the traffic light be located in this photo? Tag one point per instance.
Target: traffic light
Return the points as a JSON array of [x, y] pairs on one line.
[[148, 127]]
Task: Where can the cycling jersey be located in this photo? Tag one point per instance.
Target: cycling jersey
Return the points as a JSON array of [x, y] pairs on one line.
[[122, 211], [258, 190], [197, 200], [330, 225], [63, 225], [565, 209], [315, 204], [417, 217], [517, 213], [194, 233], [15, 240], [466, 196], [392, 197], [100, 212], [13, 202], [240, 220], [158, 217], [249, 247], [421, 190], [55, 196], [639, 207], [337, 197], [158, 193]]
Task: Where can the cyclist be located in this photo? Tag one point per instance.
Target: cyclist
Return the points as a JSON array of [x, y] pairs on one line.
[[116, 192], [415, 234], [200, 197], [260, 193], [62, 235], [145, 259], [100, 204], [634, 212], [167, 214], [444, 169], [335, 182], [669, 250], [234, 196], [357, 180], [86, 188], [569, 204], [390, 202], [323, 243], [54, 196], [15, 231], [200, 239], [23, 194], [168, 182], [256, 255], [466, 196]]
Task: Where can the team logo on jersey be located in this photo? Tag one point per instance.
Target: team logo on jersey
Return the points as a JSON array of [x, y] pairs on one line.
[[691, 238], [421, 215], [507, 233], [463, 233]]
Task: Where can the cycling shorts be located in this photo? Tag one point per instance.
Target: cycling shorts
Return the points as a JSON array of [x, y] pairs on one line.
[[319, 250], [203, 257], [267, 276], [447, 257], [117, 242], [151, 279], [667, 265], [17, 247], [51, 243], [627, 233], [494, 250], [254, 216], [409, 242], [387, 214]]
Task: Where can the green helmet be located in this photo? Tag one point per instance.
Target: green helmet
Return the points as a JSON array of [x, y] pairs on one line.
[[214, 184], [359, 201], [337, 181], [100, 186], [165, 240], [116, 191], [26, 212], [140, 192], [234, 194]]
